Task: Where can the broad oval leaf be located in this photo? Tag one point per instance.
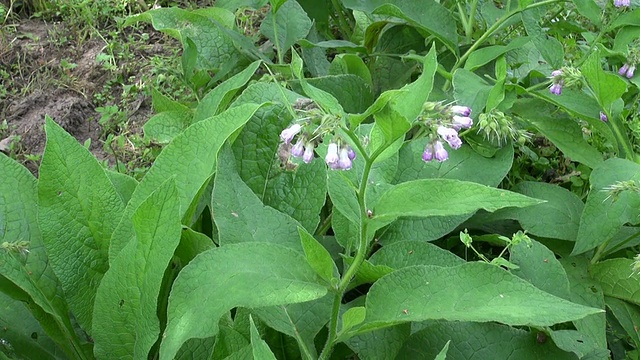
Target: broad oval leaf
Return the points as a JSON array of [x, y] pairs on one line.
[[470, 292], [617, 279], [247, 274]]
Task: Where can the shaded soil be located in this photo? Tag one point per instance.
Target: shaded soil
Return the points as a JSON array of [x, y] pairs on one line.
[[39, 81]]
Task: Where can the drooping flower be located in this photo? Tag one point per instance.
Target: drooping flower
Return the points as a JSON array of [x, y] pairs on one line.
[[461, 122], [427, 155], [621, 3], [307, 157], [630, 72], [623, 69], [289, 133], [461, 110], [332, 154], [440, 153], [558, 82], [298, 149], [345, 162], [450, 136], [351, 153], [627, 70], [603, 117]]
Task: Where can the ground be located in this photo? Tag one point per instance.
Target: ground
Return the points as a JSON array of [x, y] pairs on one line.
[[46, 70]]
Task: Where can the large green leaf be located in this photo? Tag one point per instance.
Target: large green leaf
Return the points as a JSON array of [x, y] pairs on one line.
[[380, 344], [469, 292], [549, 47], [539, 266], [470, 340], [26, 265], [78, 211], [603, 216], [471, 90], [125, 321], [558, 218], [409, 253], [607, 87], [426, 15], [191, 159], [248, 275], [439, 197], [22, 336], [289, 24], [239, 214], [484, 55], [617, 280]]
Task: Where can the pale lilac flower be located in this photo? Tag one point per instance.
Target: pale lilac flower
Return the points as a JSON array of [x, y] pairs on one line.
[[556, 88], [461, 110], [332, 154], [450, 136], [623, 69], [440, 153], [621, 3], [298, 148], [427, 155], [630, 72], [461, 122], [288, 134], [345, 162], [603, 117], [555, 73], [307, 157], [351, 153], [627, 70]]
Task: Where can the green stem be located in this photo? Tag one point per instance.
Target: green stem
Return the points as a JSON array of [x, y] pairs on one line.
[[495, 27], [472, 18], [361, 251], [342, 20], [623, 141], [625, 241]]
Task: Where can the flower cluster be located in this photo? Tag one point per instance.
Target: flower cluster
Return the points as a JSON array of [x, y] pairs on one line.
[[627, 70], [444, 122], [498, 128], [557, 82], [308, 131], [621, 3]]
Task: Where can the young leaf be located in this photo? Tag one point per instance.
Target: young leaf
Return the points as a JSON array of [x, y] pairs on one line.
[[248, 274], [285, 25], [125, 320], [352, 317], [260, 348], [318, 257], [469, 292], [438, 197], [78, 211]]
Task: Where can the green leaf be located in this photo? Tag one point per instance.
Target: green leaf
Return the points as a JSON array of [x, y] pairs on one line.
[[216, 49], [607, 87], [285, 25], [539, 266], [260, 348], [469, 292], [165, 126], [199, 144], [241, 217], [350, 64], [403, 254], [574, 341], [602, 217], [497, 93], [342, 192], [191, 244], [586, 291], [301, 321], [421, 229], [617, 280], [22, 337], [324, 99], [484, 55], [380, 344], [78, 211], [217, 99], [125, 320], [558, 217], [353, 93], [440, 197], [463, 164], [202, 292], [550, 48], [628, 315], [590, 10], [471, 90], [414, 95], [352, 317], [425, 15], [124, 184], [470, 340], [392, 125], [318, 257]]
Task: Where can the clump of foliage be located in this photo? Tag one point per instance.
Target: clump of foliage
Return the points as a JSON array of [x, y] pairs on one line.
[[332, 192]]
